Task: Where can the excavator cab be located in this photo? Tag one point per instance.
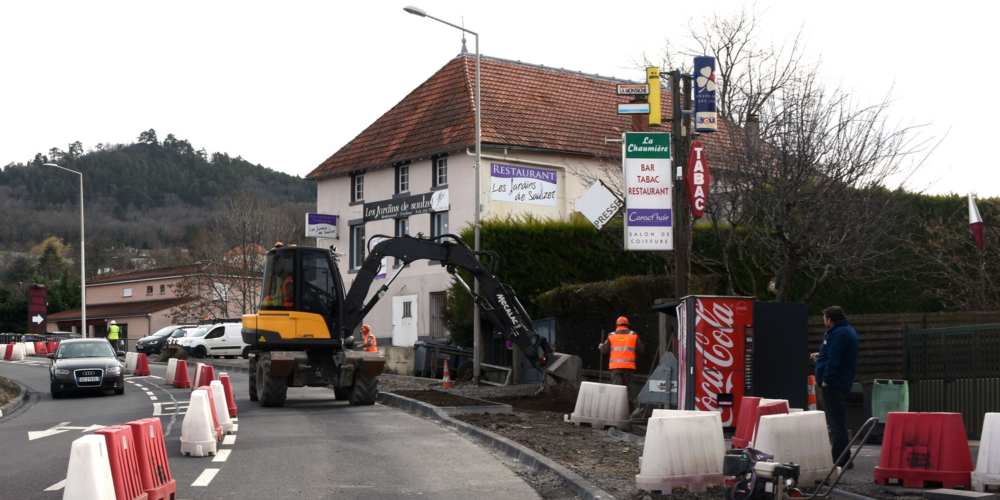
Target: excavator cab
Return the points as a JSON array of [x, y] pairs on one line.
[[301, 304]]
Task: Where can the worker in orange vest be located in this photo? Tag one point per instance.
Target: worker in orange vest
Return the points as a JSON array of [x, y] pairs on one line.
[[623, 344], [370, 345]]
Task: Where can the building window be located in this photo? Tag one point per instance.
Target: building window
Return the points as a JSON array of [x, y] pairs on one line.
[[220, 292], [440, 172], [357, 187], [163, 289], [357, 246], [402, 179], [439, 223], [127, 292], [438, 304], [408, 309], [149, 290], [402, 229]]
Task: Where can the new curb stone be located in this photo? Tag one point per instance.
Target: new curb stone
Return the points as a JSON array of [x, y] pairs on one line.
[[526, 456], [16, 403]]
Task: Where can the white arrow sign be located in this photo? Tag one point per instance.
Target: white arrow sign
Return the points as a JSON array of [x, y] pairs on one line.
[[62, 427], [37, 319]]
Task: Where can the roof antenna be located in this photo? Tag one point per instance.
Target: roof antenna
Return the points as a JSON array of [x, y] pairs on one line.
[[464, 49]]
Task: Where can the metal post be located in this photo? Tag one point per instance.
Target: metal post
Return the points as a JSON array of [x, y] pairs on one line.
[[680, 140], [83, 255]]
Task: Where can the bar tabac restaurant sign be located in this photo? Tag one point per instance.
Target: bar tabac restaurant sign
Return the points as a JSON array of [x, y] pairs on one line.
[[648, 186], [405, 207]]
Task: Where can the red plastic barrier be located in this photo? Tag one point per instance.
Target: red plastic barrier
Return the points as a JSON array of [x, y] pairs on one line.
[[53, 346], [745, 422], [921, 448], [124, 463], [207, 375], [9, 352], [141, 366], [154, 468], [215, 416], [41, 348], [181, 379], [228, 389]]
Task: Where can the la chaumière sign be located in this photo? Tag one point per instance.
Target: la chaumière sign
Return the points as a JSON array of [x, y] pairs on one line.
[[405, 207]]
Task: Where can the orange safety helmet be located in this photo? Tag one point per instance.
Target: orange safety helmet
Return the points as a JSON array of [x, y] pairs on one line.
[[365, 329], [622, 321]]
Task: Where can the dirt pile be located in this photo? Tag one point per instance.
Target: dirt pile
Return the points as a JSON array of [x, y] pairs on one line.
[[8, 391]]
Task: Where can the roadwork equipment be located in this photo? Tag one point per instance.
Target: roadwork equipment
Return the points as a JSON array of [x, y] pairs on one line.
[[446, 383], [88, 476], [197, 431]]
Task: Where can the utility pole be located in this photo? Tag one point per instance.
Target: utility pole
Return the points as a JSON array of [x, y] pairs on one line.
[[681, 135]]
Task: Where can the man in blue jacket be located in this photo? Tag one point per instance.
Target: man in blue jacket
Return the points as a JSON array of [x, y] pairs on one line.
[[836, 363]]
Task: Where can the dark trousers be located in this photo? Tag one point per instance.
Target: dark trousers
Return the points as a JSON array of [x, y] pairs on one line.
[[622, 376], [835, 405]]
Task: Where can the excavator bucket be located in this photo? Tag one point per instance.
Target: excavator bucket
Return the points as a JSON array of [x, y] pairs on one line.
[[565, 372]]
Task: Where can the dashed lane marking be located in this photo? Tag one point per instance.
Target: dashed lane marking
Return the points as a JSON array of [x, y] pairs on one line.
[[229, 439], [205, 478], [173, 408], [236, 427], [222, 455], [58, 486]]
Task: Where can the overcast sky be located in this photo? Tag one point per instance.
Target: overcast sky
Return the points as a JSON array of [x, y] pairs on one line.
[[287, 84]]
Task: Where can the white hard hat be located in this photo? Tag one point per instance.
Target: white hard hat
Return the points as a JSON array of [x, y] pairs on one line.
[[113, 322]]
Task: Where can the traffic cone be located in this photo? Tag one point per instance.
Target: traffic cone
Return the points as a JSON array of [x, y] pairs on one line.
[[811, 391], [447, 375], [141, 366], [181, 380]]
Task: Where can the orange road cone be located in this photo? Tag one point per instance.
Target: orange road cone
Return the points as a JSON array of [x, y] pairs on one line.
[[447, 375], [811, 391]]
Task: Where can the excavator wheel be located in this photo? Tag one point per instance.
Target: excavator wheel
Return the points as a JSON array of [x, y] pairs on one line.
[[253, 379], [271, 391], [364, 391]]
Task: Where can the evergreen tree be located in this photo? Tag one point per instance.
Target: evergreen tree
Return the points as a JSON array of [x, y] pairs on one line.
[[50, 265], [21, 270]]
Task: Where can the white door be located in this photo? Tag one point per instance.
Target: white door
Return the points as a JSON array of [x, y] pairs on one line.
[[404, 320]]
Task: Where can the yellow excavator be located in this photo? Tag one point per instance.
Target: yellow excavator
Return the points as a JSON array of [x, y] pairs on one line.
[[302, 334]]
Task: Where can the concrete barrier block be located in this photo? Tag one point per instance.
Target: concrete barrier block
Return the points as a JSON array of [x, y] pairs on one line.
[[987, 471], [685, 448], [601, 405], [801, 438]]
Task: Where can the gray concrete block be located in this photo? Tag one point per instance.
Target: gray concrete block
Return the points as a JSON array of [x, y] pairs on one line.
[[946, 494]]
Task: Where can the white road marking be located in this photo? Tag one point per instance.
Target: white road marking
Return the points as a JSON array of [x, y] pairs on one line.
[[229, 439], [58, 486], [62, 427], [205, 478], [152, 398], [236, 427], [234, 419], [154, 376], [178, 408], [222, 455]]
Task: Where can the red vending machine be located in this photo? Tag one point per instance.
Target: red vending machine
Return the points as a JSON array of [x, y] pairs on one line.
[[715, 354]]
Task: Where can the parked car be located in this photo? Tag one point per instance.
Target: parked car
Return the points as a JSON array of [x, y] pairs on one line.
[[60, 336], [180, 333], [85, 365], [153, 343], [222, 339]]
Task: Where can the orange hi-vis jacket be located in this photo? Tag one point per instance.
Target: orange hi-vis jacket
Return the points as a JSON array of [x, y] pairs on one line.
[[374, 346], [622, 349]]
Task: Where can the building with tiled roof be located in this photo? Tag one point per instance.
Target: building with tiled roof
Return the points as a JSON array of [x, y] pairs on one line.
[[547, 127]]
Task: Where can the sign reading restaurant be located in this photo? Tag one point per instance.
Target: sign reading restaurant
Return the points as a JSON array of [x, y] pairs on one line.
[[405, 207], [648, 191], [535, 186]]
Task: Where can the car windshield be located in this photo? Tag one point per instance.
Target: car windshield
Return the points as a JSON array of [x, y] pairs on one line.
[[200, 332], [98, 349], [163, 332], [180, 332]]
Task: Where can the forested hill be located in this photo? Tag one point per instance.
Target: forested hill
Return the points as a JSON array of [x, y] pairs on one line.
[[151, 193]]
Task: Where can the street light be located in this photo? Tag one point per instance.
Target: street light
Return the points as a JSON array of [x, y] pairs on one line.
[[476, 357], [83, 274]]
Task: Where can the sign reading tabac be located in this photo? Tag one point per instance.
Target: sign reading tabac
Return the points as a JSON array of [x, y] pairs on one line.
[[648, 191], [535, 186]]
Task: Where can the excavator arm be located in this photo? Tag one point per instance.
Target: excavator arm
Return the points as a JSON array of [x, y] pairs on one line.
[[497, 301]]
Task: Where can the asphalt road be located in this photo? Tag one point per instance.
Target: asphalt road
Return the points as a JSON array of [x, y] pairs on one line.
[[314, 447]]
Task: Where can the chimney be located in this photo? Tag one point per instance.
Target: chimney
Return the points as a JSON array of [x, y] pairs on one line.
[[752, 126]]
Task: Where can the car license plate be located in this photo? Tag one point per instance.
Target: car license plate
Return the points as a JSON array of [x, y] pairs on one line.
[[90, 379]]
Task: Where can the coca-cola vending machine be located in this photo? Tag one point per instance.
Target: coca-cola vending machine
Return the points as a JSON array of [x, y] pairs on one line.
[[715, 354]]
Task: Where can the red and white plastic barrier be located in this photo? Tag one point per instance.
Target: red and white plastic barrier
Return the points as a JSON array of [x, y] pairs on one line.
[[154, 468], [124, 463]]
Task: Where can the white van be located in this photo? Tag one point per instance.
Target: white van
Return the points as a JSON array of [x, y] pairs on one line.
[[215, 340]]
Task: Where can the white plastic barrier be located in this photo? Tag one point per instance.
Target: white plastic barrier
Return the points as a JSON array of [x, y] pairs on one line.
[[18, 353], [171, 371], [221, 407], [683, 448], [601, 405], [130, 360], [987, 471], [197, 376], [3, 351], [801, 438], [29, 348], [198, 429], [88, 476]]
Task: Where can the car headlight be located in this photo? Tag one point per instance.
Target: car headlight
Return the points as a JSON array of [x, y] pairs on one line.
[[114, 370], [62, 371]]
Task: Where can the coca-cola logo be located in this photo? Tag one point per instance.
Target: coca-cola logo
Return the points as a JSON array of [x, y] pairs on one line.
[[715, 346]]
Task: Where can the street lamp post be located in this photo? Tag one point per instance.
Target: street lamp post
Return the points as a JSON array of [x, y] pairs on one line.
[[476, 356], [83, 274]]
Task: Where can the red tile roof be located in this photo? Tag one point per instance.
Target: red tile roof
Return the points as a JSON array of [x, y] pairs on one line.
[[524, 106], [120, 309], [146, 274]]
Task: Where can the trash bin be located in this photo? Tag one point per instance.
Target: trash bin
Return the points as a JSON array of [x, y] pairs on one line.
[[421, 359], [882, 396]]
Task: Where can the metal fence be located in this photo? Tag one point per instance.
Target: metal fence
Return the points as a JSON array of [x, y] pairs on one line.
[[955, 370]]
